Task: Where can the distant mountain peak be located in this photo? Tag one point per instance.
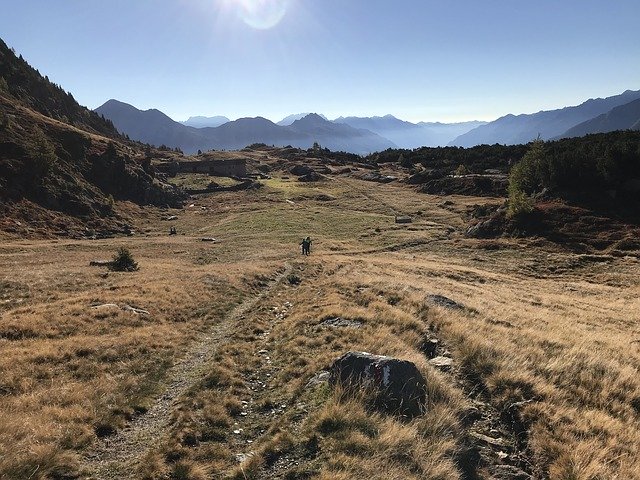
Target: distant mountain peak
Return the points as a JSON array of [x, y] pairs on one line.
[[289, 119], [200, 121]]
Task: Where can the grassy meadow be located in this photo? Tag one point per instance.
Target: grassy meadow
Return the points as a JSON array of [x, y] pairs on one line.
[[547, 346]]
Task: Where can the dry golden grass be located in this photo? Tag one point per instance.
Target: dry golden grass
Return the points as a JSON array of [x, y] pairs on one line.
[[549, 328]]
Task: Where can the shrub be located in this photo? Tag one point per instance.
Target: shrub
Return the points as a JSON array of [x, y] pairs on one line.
[[519, 203], [525, 177], [123, 261], [42, 153], [461, 170]]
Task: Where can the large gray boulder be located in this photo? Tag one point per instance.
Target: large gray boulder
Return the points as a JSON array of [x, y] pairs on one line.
[[397, 385]]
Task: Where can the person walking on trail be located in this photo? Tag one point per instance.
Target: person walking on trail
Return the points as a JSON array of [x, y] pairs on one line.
[[306, 246]]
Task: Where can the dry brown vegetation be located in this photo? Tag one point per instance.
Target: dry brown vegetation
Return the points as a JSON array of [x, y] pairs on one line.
[[552, 332]]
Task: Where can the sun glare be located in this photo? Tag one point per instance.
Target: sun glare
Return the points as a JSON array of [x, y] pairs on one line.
[[261, 14]]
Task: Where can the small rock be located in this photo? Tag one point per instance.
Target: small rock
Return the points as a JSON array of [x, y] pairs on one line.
[[403, 219], [172, 217], [241, 457], [442, 301], [508, 472], [100, 263], [137, 311], [208, 239], [495, 442], [430, 347], [442, 363], [106, 305], [318, 378], [341, 322]]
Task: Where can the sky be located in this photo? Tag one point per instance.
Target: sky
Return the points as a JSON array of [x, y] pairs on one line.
[[430, 60]]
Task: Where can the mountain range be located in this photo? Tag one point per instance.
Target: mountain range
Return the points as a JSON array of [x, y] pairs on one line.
[[521, 129], [363, 135], [156, 128]]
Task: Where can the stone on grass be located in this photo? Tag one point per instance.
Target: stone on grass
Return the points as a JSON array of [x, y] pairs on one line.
[[442, 301], [441, 363], [430, 347], [341, 322], [100, 263], [397, 385]]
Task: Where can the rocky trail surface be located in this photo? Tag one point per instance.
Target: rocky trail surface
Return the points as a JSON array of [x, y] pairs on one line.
[[115, 457]]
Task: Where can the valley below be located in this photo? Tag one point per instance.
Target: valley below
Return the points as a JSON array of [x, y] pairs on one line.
[[210, 360]]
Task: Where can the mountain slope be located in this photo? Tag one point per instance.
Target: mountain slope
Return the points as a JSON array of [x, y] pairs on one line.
[[24, 83], [151, 126], [624, 117], [411, 135], [61, 178], [516, 129]]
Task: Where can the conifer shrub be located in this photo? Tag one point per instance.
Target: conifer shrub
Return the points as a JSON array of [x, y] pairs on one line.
[[123, 261]]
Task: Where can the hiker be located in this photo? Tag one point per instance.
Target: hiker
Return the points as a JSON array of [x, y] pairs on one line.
[[306, 246]]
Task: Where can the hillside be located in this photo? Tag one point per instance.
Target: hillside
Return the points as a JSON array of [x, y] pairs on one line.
[[58, 178], [25, 84], [624, 117], [521, 129]]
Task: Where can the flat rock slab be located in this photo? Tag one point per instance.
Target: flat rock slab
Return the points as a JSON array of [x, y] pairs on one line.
[[494, 442], [125, 307], [100, 263], [508, 472], [318, 379], [396, 385], [442, 301], [441, 363], [208, 239], [341, 322]]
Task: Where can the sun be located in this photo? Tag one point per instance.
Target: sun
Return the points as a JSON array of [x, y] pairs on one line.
[[261, 14]]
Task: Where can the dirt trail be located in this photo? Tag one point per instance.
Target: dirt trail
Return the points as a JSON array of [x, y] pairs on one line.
[[115, 456]]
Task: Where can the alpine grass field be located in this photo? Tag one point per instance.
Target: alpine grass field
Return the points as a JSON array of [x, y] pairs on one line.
[[216, 374]]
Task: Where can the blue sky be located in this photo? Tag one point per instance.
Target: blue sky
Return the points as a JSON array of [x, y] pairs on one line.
[[417, 59]]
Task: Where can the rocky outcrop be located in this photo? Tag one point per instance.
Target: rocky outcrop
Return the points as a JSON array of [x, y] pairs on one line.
[[397, 386]]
